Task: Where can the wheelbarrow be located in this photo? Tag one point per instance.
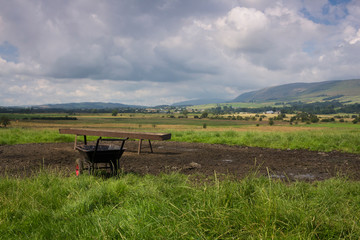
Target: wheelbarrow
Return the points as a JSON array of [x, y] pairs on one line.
[[100, 156]]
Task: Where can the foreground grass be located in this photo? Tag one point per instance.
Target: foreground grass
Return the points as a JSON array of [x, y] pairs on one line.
[[49, 206]]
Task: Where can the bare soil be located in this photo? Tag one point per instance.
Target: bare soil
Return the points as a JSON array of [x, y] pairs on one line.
[[189, 158]]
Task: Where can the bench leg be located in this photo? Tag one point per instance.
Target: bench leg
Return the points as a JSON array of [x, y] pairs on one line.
[[140, 143], [75, 143], [150, 146]]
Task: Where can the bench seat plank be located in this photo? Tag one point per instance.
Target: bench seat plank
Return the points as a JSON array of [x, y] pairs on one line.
[[117, 134]]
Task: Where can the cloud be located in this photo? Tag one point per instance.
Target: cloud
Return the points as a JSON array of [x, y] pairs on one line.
[[158, 52]]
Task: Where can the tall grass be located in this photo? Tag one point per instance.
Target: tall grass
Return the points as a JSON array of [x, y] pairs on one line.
[[49, 206], [25, 135]]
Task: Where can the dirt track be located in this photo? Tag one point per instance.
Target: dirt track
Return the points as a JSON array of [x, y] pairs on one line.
[[189, 158]]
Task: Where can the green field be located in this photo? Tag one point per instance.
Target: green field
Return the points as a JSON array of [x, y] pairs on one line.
[[339, 136], [50, 205]]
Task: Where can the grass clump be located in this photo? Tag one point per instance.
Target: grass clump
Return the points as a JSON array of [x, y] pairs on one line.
[[50, 206]]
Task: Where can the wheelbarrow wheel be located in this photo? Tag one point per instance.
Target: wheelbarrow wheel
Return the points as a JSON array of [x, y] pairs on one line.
[[79, 166]]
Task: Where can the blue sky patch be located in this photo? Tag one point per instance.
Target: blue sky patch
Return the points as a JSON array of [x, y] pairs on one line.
[[309, 16], [9, 52], [328, 15], [309, 47], [337, 2]]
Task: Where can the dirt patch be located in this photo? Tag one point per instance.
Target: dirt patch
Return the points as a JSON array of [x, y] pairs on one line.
[[190, 158]]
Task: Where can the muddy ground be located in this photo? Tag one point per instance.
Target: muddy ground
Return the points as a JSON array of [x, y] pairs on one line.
[[189, 158]]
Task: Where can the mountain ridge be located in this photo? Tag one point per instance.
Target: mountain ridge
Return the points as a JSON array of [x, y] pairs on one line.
[[341, 90]]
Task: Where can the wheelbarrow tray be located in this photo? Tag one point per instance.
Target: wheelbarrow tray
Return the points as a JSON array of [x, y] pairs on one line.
[[104, 153]]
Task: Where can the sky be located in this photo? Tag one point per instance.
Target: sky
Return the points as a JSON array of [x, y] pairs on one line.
[[155, 52]]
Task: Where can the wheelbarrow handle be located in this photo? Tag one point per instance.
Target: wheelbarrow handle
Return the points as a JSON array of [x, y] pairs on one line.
[[107, 139], [113, 140], [96, 148]]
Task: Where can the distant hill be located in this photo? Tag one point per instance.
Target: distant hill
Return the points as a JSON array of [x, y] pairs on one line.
[[86, 105], [199, 102], [340, 90]]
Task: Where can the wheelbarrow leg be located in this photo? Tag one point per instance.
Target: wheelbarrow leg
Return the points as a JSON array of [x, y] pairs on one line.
[[140, 143], [91, 168]]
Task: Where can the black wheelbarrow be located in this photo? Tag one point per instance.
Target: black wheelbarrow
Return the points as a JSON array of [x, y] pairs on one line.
[[99, 156]]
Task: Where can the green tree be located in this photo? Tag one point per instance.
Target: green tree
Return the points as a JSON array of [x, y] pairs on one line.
[[204, 115], [5, 121], [185, 112], [114, 112]]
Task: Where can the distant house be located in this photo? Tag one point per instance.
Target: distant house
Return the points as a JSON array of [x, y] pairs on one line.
[[272, 112], [152, 110]]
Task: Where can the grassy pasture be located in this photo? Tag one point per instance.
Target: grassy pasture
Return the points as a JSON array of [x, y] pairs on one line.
[[318, 137]]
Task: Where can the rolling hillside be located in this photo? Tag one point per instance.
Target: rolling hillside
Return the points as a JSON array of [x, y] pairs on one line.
[[340, 90], [85, 105], [199, 102]]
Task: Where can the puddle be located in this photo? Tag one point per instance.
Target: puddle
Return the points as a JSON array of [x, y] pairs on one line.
[[227, 160], [181, 149], [280, 176], [297, 176], [189, 149], [304, 176]]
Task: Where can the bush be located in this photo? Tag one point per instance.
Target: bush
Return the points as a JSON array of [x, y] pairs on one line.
[[325, 120], [271, 122], [314, 118]]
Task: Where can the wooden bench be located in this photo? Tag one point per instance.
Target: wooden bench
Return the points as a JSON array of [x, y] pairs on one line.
[[117, 134]]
